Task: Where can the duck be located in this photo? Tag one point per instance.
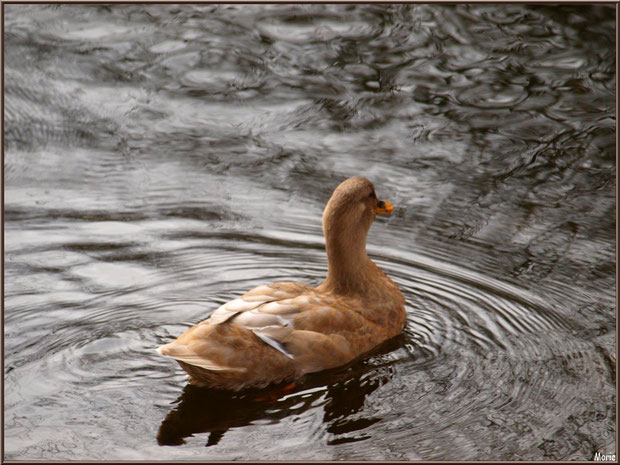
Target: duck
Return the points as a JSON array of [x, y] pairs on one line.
[[279, 332]]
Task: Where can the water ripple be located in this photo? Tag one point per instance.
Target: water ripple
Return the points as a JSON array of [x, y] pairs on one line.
[[163, 159]]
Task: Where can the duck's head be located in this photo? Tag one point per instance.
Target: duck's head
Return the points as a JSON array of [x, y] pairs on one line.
[[352, 208]]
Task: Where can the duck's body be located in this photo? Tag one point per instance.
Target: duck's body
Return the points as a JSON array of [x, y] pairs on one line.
[[282, 331]]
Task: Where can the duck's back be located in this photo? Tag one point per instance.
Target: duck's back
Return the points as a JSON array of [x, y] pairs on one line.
[[281, 331]]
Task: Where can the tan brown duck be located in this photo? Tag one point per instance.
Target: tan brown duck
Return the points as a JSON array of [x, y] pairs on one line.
[[281, 331]]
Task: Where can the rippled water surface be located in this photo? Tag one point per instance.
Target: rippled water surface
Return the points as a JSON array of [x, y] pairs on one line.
[[160, 160]]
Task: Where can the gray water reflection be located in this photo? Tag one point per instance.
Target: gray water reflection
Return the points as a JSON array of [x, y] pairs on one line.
[[162, 159]]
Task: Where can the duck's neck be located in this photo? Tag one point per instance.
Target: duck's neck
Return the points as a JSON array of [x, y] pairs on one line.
[[350, 270]]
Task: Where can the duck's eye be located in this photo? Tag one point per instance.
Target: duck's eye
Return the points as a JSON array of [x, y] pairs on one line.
[[372, 195]]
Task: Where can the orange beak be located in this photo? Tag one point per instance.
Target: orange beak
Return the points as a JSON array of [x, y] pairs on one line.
[[384, 208]]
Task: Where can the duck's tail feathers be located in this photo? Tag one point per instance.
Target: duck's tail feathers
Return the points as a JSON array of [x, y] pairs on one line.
[[184, 354]]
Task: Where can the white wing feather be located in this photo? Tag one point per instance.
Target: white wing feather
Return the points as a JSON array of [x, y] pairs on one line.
[[269, 313]]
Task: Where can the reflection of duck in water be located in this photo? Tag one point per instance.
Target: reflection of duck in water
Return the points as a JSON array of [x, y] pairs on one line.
[[284, 330], [341, 392]]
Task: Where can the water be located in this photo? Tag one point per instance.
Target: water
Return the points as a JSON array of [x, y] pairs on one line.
[[161, 160]]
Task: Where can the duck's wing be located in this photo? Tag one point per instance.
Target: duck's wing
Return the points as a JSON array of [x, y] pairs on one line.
[[263, 306], [268, 311], [308, 328], [314, 330]]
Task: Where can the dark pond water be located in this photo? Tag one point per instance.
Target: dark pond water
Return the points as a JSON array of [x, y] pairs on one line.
[[161, 160]]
